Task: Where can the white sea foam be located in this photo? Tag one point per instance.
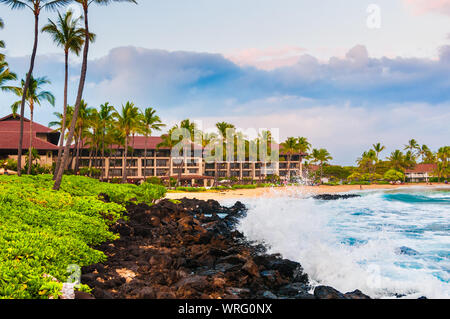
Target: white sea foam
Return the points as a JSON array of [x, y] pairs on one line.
[[378, 244]]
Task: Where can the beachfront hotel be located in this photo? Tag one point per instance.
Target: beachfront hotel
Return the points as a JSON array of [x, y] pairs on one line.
[[194, 170]]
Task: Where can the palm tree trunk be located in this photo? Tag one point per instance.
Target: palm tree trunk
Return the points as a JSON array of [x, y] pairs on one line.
[[58, 179], [124, 162], [289, 168], [25, 91], [103, 159], [77, 157], [145, 159], [30, 149], [63, 126], [170, 168]]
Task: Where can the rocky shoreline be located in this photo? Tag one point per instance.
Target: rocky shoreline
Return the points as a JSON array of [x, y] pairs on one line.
[[191, 250]]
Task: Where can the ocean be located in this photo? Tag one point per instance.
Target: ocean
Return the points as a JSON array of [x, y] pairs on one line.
[[387, 243]]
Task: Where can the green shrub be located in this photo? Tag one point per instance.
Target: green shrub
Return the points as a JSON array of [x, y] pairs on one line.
[[191, 189], [250, 186], [394, 175], [43, 231], [154, 180]]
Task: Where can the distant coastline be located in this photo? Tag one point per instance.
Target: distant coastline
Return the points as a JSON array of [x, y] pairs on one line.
[[291, 191]]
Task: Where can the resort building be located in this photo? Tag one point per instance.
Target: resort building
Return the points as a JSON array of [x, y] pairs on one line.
[[420, 173], [43, 139], [193, 170]]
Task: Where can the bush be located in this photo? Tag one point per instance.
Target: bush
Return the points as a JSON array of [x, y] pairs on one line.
[[92, 171], [220, 188], [250, 186], [191, 189], [154, 180], [393, 175]]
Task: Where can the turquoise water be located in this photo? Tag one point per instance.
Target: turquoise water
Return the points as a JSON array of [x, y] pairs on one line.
[[386, 243]]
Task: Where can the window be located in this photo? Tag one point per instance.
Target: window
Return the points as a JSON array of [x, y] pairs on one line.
[[193, 171], [163, 163], [115, 163], [115, 172], [163, 153], [162, 172], [132, 172], [148, 162], [148, 172], [132, 162]]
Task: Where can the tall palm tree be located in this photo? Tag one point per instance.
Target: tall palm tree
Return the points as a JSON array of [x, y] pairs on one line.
[[150, 122], [397, 159], [321, 156], [304, 147], [36, 6], [2, 43], [34, 96], [289, 147], [85, 5], [127, 122], [222, 127], [105, 117], [424, 151], [170, 143], [67, 34], [412, 146], [378, 148]]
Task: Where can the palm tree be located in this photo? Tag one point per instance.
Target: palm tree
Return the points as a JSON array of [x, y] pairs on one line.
[[2, 43], [150, 122], [36, 6], [321, 156], [303, 147], [412, 146], [5, 74], [397, 159], [82, 126], [127, 122], [289, 148], [35, 95], [222, 127], [378, 148], [424, 151], [67, 34], [170, 143], [85, 5], [105, 117]]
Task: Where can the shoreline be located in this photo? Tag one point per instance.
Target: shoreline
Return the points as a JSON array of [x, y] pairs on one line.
[[290, 191]]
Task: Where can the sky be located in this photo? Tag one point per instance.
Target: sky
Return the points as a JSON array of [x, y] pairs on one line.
[[344, 73]]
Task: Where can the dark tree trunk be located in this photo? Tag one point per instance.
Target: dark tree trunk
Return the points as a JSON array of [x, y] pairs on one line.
[[30, 149], [124, 162], [65, 158], [25, 91], [63, 126]]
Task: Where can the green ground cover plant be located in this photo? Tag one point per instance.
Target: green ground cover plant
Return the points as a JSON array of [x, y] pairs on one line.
[[43, 231]]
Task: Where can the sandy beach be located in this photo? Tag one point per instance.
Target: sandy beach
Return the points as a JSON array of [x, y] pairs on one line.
[[286, 191]]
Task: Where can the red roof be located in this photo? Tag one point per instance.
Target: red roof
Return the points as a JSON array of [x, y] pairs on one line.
[[12, 124], [10, 141], [422, 168], [10, 129]]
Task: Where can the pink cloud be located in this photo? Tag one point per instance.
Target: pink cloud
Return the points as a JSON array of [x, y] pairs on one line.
[[425, 6], [267, 59]]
